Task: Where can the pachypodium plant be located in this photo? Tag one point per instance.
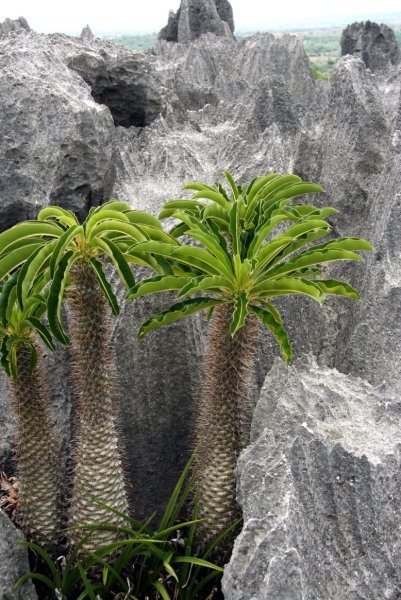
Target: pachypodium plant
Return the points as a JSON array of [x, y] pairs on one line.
[[238, 265], [77, 273], [37, 447], [69, 258]]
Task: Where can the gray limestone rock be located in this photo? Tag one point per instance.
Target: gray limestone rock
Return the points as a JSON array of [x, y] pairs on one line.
[[319, 487], [9, 25], [87, 34], [197, 17], [55, 139], [374, 44], [13, 562]]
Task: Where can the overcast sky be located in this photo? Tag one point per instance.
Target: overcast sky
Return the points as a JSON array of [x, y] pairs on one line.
[[150, 15]]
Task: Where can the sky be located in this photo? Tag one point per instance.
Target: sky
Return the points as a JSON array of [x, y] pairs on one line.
[[133, 16]]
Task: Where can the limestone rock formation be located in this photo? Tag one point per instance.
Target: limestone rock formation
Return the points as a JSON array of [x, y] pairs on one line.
[[87, 34], [374, 44], [9, 25], [197, 17], [14, 562], [319, 487], [56, 140]]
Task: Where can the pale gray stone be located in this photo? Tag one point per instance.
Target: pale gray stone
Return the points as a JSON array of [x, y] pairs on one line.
[[13, 562], [374, 44], [198, 17], [318, 487], [55, 139], [87, 34], [9, 25]]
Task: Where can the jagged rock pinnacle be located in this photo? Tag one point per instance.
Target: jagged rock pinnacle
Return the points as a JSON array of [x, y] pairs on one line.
[[374, 44], [196, 17], [87, 34], [13, 25]]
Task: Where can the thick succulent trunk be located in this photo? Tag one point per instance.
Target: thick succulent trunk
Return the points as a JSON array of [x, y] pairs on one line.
[[98, 469], [37, 453], [223, 421]]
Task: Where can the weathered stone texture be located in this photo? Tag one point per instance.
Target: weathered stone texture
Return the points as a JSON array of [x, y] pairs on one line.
[[195, 18], [14, 562], [319, 486], [9, 25], [55, 139], [374, 44]]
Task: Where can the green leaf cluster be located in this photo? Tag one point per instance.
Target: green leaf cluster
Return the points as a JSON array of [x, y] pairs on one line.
[[37, 258], [250, 244]]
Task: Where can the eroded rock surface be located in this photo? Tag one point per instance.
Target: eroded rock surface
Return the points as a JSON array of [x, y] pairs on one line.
[[374, 44], [87, 34], [197, 17], [319, 488], [14, 562], [55, 139], [9, 25]]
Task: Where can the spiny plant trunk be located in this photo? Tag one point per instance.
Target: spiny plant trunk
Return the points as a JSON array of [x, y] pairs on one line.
[[98, 468], [223, 421], [37, 453]]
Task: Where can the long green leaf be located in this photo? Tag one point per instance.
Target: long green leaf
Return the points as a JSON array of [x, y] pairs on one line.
[[62, 244], [308, 259], [162, 590], [169, 208], [105, 287], [218, 214], [28, 229], [338, 288], [46, 557], [232, 183], [5, 296], [14, 259], [194, 560], [55, 297], [170, 514], [259, 183], [263, 231], [117, 205], [160, 283], [268, 256], [272, 320], [59, 214], [176, 312], [288, 285], [214, 248], [240, 313], [127, 229], [118, 259], [32, 268], [214, 196], [205, 283], [189, 255], [43, 332], [234, 229], [293, 191], [103, 215], [38, 576], [139, 217]]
